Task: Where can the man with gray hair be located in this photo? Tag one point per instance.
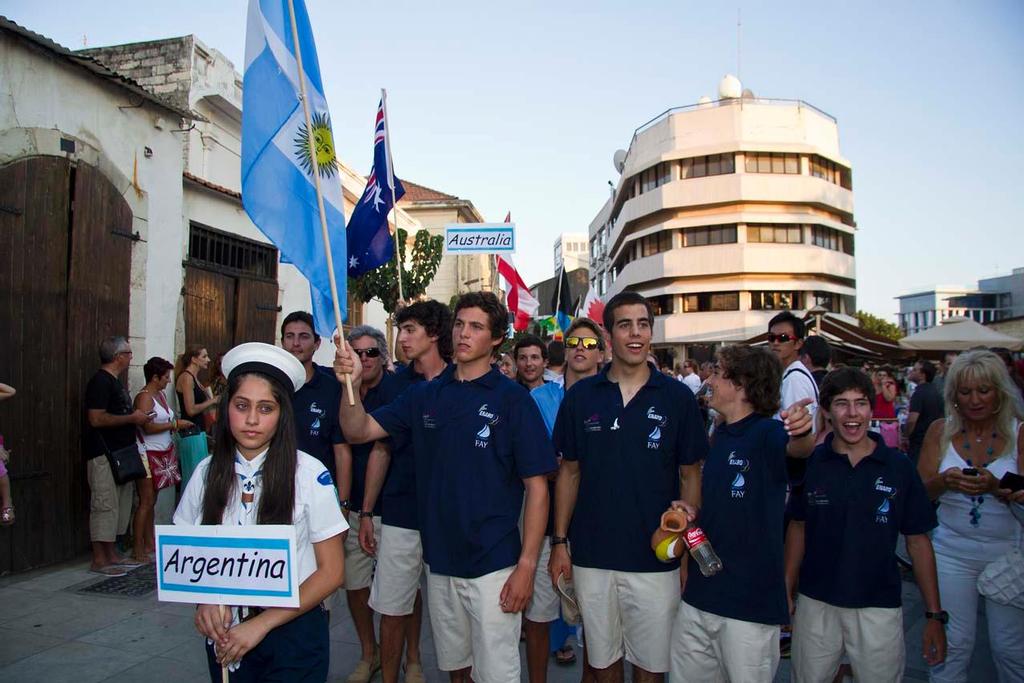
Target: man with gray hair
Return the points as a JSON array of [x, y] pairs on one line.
[[370, 345], [109, 425]]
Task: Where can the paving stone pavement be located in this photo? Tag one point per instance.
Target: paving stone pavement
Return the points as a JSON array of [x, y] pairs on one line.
[[51, 634]]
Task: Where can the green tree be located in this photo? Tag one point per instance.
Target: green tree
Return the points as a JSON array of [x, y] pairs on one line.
[[381, 282], [884, 328]]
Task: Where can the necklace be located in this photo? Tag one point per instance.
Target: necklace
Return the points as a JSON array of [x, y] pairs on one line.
[[991, 442], [974, 514]]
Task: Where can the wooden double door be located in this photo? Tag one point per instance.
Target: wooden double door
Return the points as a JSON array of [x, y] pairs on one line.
[[65, 266]]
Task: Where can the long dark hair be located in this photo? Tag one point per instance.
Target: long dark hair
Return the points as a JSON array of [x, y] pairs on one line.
[[278, 498]]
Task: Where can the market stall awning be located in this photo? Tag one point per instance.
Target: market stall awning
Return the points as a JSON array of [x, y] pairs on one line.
[[958, 334]]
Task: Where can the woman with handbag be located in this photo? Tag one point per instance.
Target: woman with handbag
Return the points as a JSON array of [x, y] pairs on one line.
[[963, 458], [257, 475], [193, 400], [162, 460]]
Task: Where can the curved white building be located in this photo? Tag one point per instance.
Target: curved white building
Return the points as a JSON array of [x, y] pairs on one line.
[[725, 213]]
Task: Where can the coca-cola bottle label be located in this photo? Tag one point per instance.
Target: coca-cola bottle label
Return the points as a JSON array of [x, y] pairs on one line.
[[695, 536]]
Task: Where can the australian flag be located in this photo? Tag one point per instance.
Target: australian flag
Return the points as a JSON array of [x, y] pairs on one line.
[[369, 241]]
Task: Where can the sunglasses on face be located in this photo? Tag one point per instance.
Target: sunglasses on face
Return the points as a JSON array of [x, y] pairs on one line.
[[372, 352], [589, 343], [780, 338]]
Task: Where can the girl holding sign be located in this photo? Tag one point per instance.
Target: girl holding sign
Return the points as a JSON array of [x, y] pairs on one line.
[[256, 475]]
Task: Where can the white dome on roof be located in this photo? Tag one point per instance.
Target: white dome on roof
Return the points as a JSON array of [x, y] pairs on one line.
[[730, 87]]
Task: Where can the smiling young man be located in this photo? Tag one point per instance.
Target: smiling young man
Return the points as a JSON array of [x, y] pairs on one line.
[[626, 435], [728, 623], [478, 443], [531, 358], [425, 340], [859, 496]]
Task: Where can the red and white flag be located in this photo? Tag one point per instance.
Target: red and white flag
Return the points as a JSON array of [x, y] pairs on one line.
[[521, 303], [592, 307]]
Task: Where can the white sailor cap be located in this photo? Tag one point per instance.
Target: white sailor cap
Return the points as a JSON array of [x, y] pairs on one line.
[[265, 359]]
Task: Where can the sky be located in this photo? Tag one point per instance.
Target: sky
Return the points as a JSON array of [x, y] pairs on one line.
[[520, 106]]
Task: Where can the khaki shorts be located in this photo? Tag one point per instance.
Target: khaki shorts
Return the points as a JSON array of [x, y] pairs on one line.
[[399, 568], [358, 565], [544, 604], [707, 648], [872, 638], [110, 505], [469, 628], [627, 614]]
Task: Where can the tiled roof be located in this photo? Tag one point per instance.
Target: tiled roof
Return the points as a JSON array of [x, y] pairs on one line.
[[212, 186], [421, 193]]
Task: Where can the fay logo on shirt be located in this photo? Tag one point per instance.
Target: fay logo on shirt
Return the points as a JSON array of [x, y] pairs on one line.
[[654, 438], [314, 428], [817, 497], [484, 435], [429, 421], [592, 423], [882, 511], [739, 482]]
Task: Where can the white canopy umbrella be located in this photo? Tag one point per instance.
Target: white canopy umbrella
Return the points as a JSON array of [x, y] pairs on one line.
[[958, 334]]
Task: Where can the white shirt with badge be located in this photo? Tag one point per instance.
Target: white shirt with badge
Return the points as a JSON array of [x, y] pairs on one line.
[[316, 516]]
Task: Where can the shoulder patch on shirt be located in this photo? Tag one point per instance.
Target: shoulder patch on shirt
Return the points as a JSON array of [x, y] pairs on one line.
[[325, 478]]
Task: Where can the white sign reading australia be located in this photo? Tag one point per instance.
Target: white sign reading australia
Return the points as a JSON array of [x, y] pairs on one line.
[[480, 238]]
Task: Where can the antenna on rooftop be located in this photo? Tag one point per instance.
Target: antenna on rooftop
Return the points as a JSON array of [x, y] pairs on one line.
[[739, 36]]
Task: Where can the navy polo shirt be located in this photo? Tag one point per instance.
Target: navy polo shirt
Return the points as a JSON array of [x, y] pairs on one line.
[[743, 497], [316, 417], [629, 458], [853, 517], [378, 396], [399, 492], [473, 443]]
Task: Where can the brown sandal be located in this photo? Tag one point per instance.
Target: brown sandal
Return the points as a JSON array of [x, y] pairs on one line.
[[7, 515]]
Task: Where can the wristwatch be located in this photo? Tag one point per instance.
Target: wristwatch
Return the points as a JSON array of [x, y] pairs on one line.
[[365, 513], [559, 540], [344, 505], [942, 616]]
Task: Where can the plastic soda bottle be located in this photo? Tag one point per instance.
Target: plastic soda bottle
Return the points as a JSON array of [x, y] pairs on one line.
[[701, 551]]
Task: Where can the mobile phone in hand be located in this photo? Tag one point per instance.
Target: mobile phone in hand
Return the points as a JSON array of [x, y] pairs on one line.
[[1014, 482], [970, 472]]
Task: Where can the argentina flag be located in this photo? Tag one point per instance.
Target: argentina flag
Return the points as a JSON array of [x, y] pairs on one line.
[[277, 172]]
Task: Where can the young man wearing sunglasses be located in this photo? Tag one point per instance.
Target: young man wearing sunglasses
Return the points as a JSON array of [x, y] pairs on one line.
[[632, 441], [370, 346], [584, 348]]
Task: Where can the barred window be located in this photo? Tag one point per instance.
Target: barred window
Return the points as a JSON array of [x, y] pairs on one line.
[[210, 247]]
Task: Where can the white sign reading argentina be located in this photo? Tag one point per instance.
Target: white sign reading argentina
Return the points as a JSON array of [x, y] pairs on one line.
[[480, 238], [227, 565]]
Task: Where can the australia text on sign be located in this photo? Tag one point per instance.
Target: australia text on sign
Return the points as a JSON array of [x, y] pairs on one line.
[[244, 565], [480, 238]]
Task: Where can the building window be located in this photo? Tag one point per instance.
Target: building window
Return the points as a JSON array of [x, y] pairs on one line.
[[224, 251], [830, 171], [712, 164], [656, 243], [775, 301], [772, 162], [830, 238], [711, 301], [662, 305], [779, 233], [709, 234], [655, 176], [827, 300]]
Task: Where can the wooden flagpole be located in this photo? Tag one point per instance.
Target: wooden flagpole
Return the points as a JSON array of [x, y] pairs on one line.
[[316, 184], [391, 186]]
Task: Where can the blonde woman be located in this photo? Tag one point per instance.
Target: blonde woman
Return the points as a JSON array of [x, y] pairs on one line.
[[962, 460]]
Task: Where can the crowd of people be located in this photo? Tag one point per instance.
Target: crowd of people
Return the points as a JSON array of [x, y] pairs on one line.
[[522, 486]]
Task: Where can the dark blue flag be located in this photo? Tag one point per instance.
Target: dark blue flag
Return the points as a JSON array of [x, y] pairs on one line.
[[370, 244]]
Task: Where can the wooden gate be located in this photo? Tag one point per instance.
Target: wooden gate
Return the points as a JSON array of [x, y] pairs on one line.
[[223, 310], [65, 261]]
